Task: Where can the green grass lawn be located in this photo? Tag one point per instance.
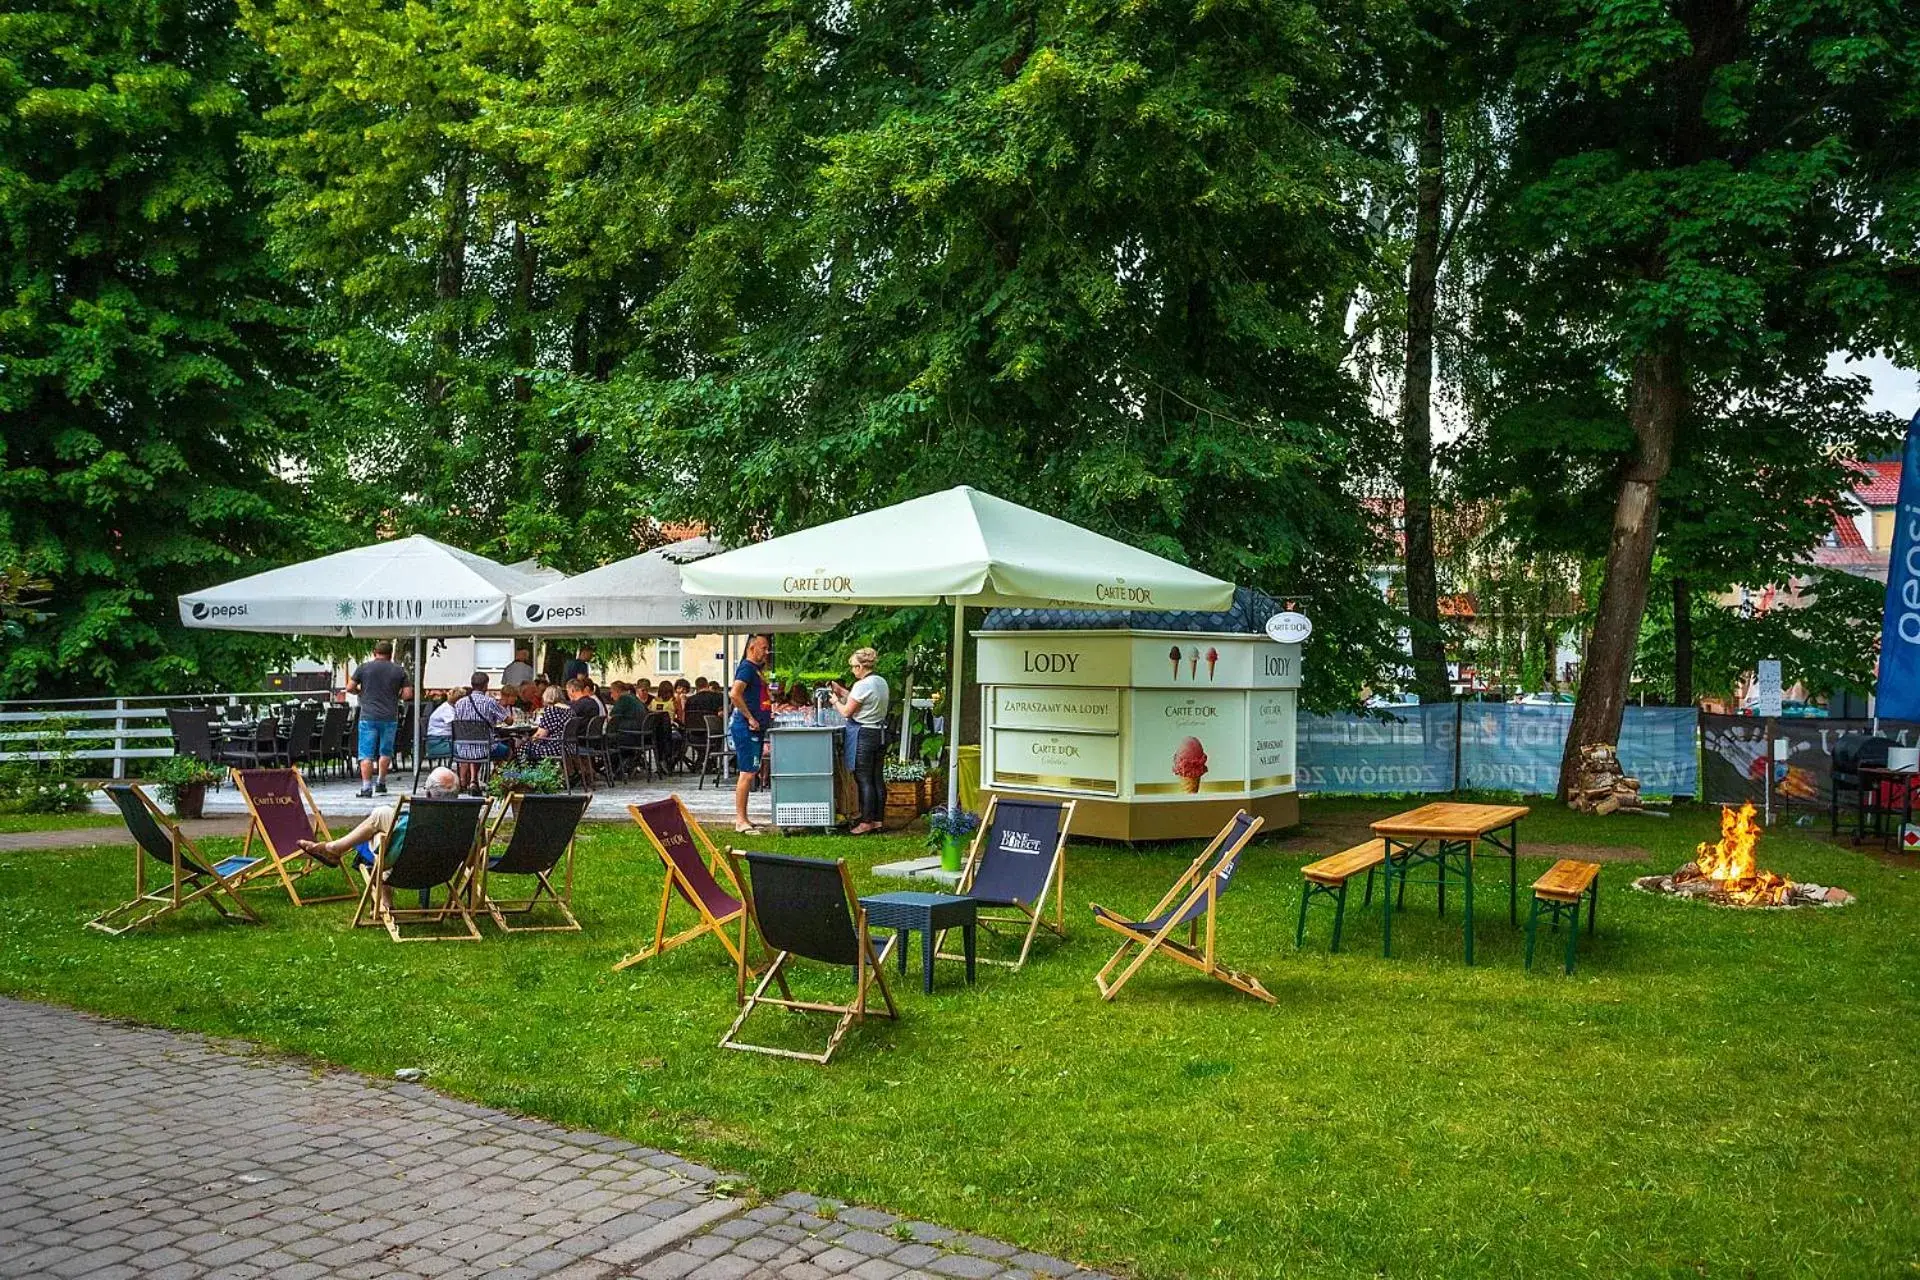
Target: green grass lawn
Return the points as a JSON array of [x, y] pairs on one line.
[[13, 823], [1714, 1092]]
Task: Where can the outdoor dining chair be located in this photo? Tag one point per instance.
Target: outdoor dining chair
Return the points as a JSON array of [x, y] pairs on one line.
[[332, 752], [434, 844], [1018, 854], [1190, 902], [478, 737], [302, 737], [695, 871], [540, 834], [707, 752], [283, 813], [806, 909], [191, 876]]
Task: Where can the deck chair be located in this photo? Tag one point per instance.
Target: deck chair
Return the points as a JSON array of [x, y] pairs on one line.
[[191, 876], [284, 814], [1194, 895], [540, 839], [695, 871], [806, 908], [435, 843], [1019, 852]]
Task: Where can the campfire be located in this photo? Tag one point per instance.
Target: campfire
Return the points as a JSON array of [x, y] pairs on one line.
[[1728, 872]]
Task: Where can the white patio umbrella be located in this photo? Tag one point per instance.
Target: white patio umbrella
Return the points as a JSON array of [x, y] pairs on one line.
[[961, 547], [411, 586], [642, 595]]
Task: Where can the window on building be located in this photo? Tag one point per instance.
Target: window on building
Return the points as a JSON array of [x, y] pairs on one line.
[[492, 655], [666, 657]]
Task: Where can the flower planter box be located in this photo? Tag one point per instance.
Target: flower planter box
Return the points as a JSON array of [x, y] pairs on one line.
[[906, 801]]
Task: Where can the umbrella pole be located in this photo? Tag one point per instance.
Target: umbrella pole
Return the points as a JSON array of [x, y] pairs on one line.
[[419, 678], [953, 706]]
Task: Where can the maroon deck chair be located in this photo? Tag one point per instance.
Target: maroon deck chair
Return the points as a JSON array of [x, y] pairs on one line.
[[284, 814], [694, 871]]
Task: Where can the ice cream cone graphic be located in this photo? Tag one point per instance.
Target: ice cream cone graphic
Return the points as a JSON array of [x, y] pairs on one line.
[[1193, 661], [1174, 653], [1190, 765], [1213, 656]]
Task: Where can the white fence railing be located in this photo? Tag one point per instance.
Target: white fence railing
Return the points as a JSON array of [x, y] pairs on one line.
[[116, 729]]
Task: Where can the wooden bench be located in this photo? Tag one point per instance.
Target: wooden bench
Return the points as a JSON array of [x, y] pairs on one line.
[[1328, 878], [1560, 891]]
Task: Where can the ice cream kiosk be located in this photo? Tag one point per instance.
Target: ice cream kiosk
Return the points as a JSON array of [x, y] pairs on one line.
[[1161, 725]]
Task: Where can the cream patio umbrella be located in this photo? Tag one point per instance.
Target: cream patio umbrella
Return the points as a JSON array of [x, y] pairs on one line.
[[960, 547], [411, 586], [642, 596]]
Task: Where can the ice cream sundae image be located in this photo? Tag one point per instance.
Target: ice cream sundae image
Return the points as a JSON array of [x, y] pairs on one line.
[[1174, 653], [1213, 656], [1193, 661], [1190, 765]]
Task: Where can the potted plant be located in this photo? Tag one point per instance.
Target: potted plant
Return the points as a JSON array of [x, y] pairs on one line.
[[947, 832], [182, 783], [540, 779], [907, 795]]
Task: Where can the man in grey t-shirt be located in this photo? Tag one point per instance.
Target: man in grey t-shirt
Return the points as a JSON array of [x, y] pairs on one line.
[[382, 684]]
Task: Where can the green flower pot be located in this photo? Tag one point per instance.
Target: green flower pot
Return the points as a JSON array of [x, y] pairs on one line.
[[952, 853]]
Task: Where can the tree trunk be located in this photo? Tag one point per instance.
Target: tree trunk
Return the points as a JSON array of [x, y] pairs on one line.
[[450, 280], [1682, 643], [1416, 418], [523, 257], [1653, 411]]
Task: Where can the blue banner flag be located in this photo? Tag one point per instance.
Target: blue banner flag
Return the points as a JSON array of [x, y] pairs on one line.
[[1898, 691]]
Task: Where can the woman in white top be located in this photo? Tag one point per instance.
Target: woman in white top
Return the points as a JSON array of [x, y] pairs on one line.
[[865, 707]]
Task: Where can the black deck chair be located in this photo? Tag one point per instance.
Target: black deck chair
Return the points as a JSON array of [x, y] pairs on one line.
[[439, 847], [539, 840], [1018, 854], [806, 908], [1193, 898], [191, 875]]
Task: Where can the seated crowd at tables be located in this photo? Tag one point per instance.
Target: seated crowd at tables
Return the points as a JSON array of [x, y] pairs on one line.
[[548, 707]]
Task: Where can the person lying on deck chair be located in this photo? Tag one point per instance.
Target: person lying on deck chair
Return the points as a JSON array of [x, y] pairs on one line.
[[443, 783]]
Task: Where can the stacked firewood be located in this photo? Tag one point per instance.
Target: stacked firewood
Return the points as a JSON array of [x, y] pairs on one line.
[[1602, 786]]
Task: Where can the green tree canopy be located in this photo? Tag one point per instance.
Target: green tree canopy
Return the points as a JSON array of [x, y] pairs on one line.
[[149, 399]]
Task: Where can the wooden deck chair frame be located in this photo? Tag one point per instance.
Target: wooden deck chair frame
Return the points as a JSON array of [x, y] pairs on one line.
[[290, 867], [719, 866], [457, 905], [561, 898], [1032, 920], [1199, 881], [869, 970], [195, 876]]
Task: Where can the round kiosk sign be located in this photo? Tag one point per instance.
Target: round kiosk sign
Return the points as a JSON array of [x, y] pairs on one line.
[[1289, 627]]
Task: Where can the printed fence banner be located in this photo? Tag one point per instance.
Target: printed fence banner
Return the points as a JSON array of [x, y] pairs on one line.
[[1503, 746], [1507, 746], [1733, 749], [1410, 750]]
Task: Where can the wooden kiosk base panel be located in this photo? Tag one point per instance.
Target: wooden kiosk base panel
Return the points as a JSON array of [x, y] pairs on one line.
[[1132, 821]]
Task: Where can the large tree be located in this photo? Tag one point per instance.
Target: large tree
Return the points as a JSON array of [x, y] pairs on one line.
[[1084, 258], [147, 402], [1701, 194]]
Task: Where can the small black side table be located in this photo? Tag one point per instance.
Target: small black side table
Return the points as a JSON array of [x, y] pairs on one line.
[[929, 913]]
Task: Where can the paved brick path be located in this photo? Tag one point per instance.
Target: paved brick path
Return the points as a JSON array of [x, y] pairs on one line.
[[132, 1152]]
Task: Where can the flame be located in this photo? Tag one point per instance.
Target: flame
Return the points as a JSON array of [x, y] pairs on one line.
[[1732, 866]]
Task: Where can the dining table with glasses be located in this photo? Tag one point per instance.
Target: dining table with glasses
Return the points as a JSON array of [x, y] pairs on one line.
[[1448, 837]]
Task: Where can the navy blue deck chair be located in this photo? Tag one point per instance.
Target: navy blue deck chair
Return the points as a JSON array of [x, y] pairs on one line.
[[191, 876], [805, 908], [1018, 855], [539, 841], [1193, 898], [434, 844]]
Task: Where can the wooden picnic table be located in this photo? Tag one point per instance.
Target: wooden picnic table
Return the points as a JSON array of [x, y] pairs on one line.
[[1442, 833]]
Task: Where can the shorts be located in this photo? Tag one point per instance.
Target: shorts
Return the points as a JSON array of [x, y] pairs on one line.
[[377, 738], [747, 746]]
